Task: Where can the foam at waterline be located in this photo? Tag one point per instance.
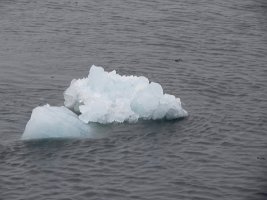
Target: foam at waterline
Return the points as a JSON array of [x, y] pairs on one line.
[[107, 97]]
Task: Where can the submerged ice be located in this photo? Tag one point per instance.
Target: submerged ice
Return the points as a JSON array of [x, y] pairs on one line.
[[107, 97], [103, 97]]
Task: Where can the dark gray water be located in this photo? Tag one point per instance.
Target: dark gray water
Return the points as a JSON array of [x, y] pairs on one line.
[[218, 152]]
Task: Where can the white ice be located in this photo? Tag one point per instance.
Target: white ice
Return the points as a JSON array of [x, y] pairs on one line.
[[54, 122], [107, 97], [102, 97]]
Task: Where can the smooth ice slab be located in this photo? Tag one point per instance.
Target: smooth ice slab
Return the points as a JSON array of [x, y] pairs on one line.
[[54, 122], [107, 97]]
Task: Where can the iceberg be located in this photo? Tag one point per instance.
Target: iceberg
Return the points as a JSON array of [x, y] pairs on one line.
[[102, 97], [107, 97], [54, 122]]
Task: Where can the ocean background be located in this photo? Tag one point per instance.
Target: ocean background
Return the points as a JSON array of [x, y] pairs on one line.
[[211, 54]]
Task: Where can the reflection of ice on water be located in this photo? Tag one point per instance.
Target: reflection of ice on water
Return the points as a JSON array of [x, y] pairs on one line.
[[103, 97]]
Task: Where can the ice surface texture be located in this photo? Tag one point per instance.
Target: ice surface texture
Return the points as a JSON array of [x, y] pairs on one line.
[[54, 122], [102, 97], [107, 97]]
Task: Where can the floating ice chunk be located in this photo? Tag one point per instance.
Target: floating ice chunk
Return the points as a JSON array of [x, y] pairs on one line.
[[102, 97], [54, 122], [107, 97]]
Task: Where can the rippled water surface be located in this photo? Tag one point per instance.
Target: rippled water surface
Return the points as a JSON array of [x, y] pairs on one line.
[[211, 54]]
